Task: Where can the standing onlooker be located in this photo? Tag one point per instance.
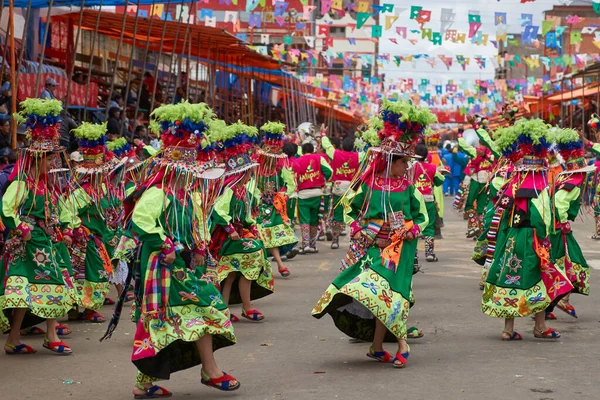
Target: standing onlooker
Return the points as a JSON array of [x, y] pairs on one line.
[[48, 92], [449, 164], [459, 163], [6, 95], [179, 95], [5, 139], [67, 138], [116, 127]]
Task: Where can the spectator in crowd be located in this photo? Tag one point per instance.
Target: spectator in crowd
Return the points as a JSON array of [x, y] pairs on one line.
[[140, 133], [7, 163], [67, 138], [448, 163], [6, 95], [179, 95], [117, 101], [76, 157], [145, 98], [148, 81], [48, 92], [459, 163], [116, 127], [5, 139]]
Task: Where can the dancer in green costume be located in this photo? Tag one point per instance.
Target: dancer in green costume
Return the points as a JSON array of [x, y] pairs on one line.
[[569, 187], [36, 280], [275, 183], [243, 268], [181, 317], [95, 204], [522, 279], [371, 298]]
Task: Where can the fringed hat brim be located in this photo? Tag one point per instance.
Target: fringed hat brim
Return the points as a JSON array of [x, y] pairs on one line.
[[241, 169], [586, 169], [268, 154], [101, 169]]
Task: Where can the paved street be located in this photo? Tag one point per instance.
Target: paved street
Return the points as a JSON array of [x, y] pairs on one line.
[[294, 356]]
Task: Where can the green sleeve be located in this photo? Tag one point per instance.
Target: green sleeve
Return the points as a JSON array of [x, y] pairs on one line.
[[596, 149], [328, 147], [149, 151], [147, 213], [486, 140], [15, 195], [288, 178], [467, 148], [67, 213], [562, 203], [498, 182], [418, 210], [299, 151], [129, 188], [541, 216], [80, 200], [439, 179], [221, 213], [353, 204], [326, 169]]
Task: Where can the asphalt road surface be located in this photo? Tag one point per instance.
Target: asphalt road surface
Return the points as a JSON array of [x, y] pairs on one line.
[[291, 355]]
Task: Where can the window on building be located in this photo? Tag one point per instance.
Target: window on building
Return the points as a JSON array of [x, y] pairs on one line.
[[337, 32]]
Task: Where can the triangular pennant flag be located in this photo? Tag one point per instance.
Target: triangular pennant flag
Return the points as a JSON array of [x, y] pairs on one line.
[[310, 41], [361, 18], [389, 21]]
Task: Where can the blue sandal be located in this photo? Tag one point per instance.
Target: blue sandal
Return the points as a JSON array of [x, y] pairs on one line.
[[150, 393], [20, 349]]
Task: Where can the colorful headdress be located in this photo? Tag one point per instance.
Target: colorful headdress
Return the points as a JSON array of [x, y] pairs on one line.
[[182, 128], [432, 138], [273, 138], [41, 117], [526, 142], [92, 140], [233, 145], [403, 126], [119, 147], [571, 149]]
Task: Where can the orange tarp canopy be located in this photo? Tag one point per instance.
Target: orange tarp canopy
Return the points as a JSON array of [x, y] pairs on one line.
[[589, 90], [213, 44]]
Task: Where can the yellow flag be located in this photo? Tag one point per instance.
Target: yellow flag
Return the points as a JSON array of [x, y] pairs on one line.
[[363, 6], [389, 21]]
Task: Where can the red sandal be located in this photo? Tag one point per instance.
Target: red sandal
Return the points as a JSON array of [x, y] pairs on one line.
[[548, 334], [253, 315], [284, 272], [222, 383], [58, 347], [34, 330], [234, 318], [63, 330], [94, 316]]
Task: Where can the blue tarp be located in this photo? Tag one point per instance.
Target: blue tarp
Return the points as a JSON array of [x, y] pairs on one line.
[[76, 3]]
